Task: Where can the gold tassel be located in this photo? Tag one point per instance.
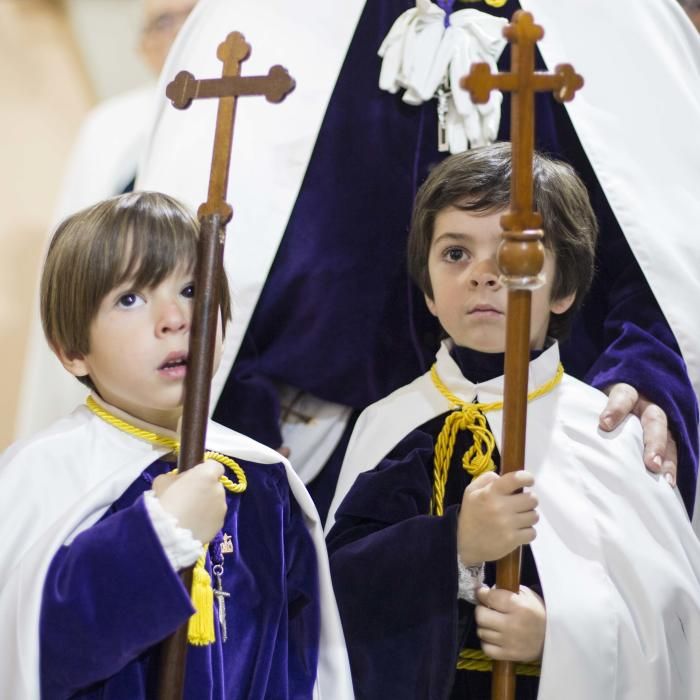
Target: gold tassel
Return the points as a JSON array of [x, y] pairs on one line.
[[200, 630]]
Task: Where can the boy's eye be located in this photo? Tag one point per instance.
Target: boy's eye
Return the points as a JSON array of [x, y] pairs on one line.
[[455, 254], [129, 300], [188, 291]]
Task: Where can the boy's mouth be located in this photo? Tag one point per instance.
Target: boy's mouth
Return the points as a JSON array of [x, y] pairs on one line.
[[484, 309], [174, 365]]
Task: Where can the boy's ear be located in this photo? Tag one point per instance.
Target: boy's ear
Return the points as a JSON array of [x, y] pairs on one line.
[[560, 306], [430, 303], [76, 364]]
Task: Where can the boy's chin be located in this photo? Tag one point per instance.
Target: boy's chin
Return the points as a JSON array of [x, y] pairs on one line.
[[483, 346]]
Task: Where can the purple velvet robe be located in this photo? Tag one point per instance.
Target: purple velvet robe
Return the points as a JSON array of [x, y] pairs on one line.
[[111, 596], [394, 571], [340, 319]]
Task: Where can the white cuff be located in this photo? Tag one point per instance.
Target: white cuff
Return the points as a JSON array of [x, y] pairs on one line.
[[471, 578], [181, 548]]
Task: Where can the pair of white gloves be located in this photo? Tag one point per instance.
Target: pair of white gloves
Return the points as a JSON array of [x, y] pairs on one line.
[[420, 54]]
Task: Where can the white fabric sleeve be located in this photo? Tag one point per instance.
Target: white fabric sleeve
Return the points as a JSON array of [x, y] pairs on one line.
[[471, 578], [181, 548]]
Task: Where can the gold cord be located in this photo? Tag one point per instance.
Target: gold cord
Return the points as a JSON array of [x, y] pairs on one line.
[[469, 416], [200, 630], [171, 444], [476, 660]]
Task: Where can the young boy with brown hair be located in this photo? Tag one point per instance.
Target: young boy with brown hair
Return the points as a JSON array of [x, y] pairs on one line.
[[610, 602], [95, 526]]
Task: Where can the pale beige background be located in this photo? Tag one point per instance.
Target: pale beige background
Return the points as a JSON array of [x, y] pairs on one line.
[[56, 60]]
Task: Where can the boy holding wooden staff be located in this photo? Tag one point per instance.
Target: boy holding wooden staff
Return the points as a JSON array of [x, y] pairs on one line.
[[97, 527], [610, 603]]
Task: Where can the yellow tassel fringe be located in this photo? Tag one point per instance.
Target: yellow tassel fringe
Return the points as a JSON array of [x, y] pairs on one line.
[[200, 629]]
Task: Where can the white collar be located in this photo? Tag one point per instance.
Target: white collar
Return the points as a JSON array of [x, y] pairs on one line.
[[540, 370]]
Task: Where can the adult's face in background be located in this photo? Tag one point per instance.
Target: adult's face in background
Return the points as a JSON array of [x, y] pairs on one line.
[[162, 20]]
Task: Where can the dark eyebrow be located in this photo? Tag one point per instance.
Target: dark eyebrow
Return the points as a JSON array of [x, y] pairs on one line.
[[458, 237]]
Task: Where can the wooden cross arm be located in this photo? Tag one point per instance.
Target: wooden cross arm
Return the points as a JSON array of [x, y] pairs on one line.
[[275, 86], [480, 81], [564, 83]]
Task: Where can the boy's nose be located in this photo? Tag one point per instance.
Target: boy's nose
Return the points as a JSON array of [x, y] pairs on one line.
[[173, 318], [485, 273]]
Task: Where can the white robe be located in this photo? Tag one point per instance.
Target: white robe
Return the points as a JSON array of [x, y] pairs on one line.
[[617, 558], [59, 483]]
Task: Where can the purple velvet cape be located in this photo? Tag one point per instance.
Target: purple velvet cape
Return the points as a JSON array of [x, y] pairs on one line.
[[339, 317], [111, 596], [394, 571]]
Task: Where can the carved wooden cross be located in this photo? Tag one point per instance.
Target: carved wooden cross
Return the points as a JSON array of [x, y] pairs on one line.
[[214, 214], [520, 255], [523, 82], [185, 88]]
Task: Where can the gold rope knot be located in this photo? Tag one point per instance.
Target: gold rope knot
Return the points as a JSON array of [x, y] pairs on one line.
[[478, 459]]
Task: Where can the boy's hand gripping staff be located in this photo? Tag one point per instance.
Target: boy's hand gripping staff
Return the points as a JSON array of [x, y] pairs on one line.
[[213, 215], [520, 256]]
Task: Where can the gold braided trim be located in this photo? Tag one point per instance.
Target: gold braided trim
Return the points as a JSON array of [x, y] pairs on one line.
[[171, 444], [476, 660], [478, 459]]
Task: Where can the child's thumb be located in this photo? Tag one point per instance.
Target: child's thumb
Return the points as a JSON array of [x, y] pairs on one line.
[[482, 481], [162, 483]]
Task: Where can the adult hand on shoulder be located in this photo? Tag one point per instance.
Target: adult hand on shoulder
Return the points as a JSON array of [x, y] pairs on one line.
[[196, 498], [660, 451], [495, 517], [511, 626]]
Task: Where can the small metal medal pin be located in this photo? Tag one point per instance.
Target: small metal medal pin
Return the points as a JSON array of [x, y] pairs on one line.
[[227, 545]]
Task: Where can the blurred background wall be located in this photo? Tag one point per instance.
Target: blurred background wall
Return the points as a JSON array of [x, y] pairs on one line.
[[57, 59]]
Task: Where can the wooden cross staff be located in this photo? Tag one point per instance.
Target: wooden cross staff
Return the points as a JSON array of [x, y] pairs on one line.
[[520, 255], [213, 215]]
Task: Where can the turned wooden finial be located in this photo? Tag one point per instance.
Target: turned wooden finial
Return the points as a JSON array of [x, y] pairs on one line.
[[521, 255]]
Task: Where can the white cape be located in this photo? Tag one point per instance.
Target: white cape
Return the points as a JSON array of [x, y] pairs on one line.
[[617, 558], [637, 118], [59, 483]]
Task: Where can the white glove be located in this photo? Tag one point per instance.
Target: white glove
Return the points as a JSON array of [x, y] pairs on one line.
[[419, 53]]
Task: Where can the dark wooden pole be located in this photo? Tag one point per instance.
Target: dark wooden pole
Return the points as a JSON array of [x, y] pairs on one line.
[[520, 257], [173, 652], [214, 215]]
